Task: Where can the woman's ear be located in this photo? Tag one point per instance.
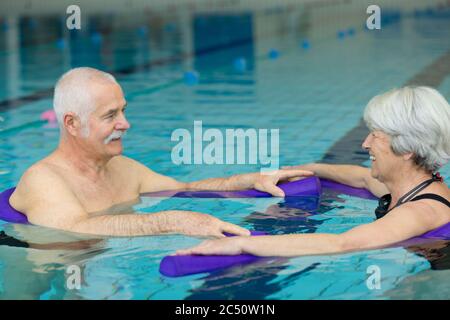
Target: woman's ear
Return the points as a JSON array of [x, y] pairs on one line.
[[408, 156]]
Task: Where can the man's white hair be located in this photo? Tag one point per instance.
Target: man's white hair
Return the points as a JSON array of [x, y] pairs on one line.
[[417, 119], [73, 93]]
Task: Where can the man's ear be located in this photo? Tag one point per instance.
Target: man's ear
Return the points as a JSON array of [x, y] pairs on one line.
[[72, 123]]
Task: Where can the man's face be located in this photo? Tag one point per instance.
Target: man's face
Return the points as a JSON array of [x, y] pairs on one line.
[[107, 122]]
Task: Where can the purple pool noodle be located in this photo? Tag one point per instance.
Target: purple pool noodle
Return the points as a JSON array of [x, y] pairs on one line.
[[443, 232], [352, 191], [306, 187], [8, 213], [305, 203], [440, 233], [252, 232], [177, 266]]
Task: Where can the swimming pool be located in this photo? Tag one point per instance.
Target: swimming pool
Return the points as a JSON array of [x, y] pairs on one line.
[[314, 96]]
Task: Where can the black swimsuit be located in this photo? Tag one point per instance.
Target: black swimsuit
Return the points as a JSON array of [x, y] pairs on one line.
[[385, 201]]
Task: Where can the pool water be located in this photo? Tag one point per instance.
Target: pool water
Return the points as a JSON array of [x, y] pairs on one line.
[[314, 96]]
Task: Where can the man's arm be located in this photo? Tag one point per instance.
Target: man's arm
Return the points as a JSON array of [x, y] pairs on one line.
[[259, 181], [151, 181], [355, 176], [47, 201], [148, 180]]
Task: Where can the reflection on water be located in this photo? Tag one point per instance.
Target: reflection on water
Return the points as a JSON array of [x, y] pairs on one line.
[[245, 281], [430, 283], [27, 273], [437, 252], [49, 252], [260, 280]]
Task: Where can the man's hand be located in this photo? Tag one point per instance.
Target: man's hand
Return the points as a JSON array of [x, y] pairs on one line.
[[268, 182], [203, 225], [228, 246]]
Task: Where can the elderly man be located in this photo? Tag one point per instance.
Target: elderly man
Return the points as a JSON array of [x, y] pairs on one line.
[[87, 173]]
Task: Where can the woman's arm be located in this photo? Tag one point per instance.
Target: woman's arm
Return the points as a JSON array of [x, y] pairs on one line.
[[289, 245], [400, 224], [355, 176]]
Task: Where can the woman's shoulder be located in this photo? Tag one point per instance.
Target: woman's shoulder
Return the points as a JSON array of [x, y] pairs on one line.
[[436, 193], [433, 204]]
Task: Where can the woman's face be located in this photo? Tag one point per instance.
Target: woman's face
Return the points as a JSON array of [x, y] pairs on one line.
[[384, 161]]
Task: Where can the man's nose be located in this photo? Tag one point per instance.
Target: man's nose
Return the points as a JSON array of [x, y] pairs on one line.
[[122, 124]]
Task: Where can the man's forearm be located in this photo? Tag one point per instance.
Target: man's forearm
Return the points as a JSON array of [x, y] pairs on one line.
[[236, 182], [131, 224]]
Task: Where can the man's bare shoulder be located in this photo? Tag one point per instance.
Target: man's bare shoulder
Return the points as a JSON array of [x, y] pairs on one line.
[[148, 180], [41, 172], [40, 178]]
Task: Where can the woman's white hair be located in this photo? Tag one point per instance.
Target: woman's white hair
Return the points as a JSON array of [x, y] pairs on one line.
[[417, 119], [73, 93]]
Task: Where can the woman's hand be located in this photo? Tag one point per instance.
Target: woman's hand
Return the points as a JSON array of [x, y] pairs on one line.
[[227, 246]]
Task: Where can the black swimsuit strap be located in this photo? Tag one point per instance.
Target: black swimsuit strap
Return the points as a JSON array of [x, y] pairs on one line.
[[385, 201], [414, 191], [432, 196]]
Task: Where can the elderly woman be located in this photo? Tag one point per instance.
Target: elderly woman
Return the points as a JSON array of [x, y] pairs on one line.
[[409, 140]]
